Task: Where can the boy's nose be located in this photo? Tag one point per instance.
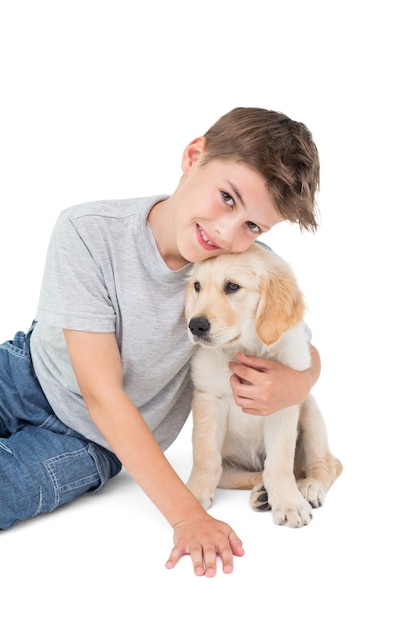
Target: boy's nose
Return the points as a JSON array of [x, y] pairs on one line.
[[226, 229]]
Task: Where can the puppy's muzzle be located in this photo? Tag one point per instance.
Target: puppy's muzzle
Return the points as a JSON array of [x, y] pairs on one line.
[[199, 326]]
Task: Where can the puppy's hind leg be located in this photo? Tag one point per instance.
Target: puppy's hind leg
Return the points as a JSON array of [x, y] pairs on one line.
[[236, 478], [315, 468]]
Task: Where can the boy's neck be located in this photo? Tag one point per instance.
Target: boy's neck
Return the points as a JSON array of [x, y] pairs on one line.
[[160, 219]]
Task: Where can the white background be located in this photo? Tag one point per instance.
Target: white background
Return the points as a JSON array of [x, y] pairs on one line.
[[98, 100]]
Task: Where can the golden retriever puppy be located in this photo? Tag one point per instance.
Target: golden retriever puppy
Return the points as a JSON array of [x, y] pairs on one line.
[[251, 302]]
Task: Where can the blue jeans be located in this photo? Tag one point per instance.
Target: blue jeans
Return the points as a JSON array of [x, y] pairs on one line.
[[43, 463]]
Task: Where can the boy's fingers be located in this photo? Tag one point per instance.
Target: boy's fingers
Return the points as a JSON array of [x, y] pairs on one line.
[[236, 544], [204, 562], [174, 557], [233, 547], [204, 553], [209, 561], [196, 554]]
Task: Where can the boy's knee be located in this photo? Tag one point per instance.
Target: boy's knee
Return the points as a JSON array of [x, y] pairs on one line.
[[31, 485]]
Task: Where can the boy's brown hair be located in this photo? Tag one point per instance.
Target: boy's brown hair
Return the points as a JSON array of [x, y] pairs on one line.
[[280, 149]]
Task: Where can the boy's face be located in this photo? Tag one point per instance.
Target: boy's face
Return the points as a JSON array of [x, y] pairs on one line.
[[220, 206]]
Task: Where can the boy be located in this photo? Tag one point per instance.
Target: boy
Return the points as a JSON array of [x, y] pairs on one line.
[[101, 379]]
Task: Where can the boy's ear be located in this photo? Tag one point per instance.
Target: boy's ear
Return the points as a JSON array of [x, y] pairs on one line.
[[192, 153]]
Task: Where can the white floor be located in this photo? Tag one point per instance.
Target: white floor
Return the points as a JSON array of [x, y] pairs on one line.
[[99, 98], [101, 560]]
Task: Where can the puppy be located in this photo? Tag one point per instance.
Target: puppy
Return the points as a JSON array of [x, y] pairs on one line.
[[251, 302]]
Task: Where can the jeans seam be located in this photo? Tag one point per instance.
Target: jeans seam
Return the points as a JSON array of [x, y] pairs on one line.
[[16, 351], [97, 462], [39, 509], [5, 448]]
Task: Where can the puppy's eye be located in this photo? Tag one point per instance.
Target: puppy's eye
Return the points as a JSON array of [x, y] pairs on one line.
[[231, 287], [197, 286]]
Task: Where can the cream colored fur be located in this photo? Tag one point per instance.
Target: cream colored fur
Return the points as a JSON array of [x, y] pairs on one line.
[[253, 304]]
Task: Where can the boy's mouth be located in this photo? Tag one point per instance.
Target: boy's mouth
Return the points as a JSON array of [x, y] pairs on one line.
[[204, 239]]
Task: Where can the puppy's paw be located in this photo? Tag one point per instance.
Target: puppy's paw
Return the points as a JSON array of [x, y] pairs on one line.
[[259, 498], [293, 514], [204, 495], [313, 491], [205, 500]]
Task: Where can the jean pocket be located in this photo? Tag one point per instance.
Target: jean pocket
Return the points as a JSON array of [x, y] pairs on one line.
[[71, 474]]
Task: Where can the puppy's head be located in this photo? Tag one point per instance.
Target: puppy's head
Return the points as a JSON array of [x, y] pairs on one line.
[[234, 298]]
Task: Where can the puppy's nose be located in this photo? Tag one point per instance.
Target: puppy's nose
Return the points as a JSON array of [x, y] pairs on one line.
[[199, 326]]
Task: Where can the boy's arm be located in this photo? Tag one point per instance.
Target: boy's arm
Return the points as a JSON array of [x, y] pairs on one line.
[[273, 386], [98, 368]]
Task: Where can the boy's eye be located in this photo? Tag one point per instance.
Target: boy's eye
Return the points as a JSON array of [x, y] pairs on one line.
[[227, 198], [253, 227]]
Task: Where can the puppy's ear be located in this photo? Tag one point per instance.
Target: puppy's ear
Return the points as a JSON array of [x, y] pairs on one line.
[[280, 307]]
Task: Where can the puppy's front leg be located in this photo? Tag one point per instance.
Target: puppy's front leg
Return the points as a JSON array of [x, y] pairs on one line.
[[288, 506], [209, 429]]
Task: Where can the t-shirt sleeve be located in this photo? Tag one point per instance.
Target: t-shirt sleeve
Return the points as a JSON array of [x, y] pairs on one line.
[[73, 293]]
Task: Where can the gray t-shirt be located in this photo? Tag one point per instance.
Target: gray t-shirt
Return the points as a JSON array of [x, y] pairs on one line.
[[104, 273]]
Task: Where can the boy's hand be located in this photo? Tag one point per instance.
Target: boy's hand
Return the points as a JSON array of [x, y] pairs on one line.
[[204, 539], [262, 387]]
